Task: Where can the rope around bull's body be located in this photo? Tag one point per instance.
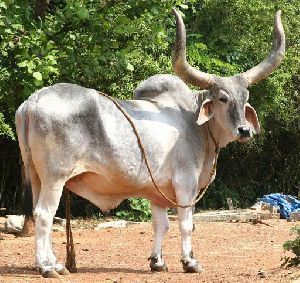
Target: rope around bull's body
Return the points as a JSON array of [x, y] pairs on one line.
[[212, 172], [71, 260]]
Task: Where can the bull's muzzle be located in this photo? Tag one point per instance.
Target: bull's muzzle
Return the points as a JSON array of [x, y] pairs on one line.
[[244, 132]]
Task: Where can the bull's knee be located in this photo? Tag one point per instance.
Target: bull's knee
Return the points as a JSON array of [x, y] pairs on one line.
[[186, 228], [43, 219], [161, 227]]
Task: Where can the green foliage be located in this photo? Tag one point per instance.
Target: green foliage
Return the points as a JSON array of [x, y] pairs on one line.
[[107, 45], [294, 247], [101, 44], [5, 129], [113, 45], [10, 175], [239, 33], [137, 209]]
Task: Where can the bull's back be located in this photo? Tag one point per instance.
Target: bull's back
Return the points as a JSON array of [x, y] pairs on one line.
[[63, 109], [73, 129], [63, 125]]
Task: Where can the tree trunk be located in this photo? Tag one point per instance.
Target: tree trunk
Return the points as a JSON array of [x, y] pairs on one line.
[[28, 227], [40, 8]]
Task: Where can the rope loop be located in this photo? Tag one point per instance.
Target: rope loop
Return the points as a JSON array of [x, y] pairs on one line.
[[212, 172]]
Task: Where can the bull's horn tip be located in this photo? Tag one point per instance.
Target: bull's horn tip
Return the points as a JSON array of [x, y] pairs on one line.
[[278, 13], [175, 11]]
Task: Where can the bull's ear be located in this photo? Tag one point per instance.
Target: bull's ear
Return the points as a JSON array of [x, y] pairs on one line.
[[206, 111], [251, 118]]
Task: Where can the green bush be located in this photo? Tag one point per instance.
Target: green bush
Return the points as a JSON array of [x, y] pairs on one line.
[[113, 45], [294, 247], [137, 209]]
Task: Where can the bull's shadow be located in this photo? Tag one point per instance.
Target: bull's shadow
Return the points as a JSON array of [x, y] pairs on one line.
[[18, 271], [24, 271], [112, 270]]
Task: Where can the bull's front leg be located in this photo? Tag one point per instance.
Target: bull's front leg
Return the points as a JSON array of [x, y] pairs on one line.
[[160, 223], [189, 263]]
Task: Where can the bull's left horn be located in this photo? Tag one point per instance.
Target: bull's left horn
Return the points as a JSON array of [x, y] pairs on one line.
[[267, 66], [181, 67]]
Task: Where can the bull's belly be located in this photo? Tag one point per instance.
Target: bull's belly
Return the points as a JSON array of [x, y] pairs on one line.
[[107, 192]]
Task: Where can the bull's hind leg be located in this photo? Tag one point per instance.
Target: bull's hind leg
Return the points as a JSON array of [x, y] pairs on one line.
[[189, 263], [44, 212], [36, 189], [160, 223]]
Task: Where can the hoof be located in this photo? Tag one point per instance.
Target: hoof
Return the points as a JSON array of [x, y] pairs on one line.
[[191, 267], [63, 271], [157, 266], [50, 274]]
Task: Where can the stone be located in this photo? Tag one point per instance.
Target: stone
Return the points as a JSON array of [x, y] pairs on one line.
[[262, 273], [28, 227], [14, 223], [60, 221], [58, 228], [111, 224], [237, 215], [295, 216]]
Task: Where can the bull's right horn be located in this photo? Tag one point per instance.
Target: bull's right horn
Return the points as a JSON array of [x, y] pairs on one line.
[[267, 66], [181, 67]]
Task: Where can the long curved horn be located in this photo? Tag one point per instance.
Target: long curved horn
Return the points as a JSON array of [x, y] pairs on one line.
[[181, 67], [267, 66]]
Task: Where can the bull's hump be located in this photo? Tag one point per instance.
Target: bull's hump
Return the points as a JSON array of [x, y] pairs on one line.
[[161, 87]]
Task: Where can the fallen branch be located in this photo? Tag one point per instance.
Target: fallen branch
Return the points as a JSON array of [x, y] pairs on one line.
[[258, 221]]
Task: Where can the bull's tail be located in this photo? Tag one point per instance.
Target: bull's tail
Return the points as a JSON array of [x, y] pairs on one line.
[[22, 132], [26, 204]]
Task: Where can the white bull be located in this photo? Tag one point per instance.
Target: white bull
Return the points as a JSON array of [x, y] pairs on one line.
[[72, 136]]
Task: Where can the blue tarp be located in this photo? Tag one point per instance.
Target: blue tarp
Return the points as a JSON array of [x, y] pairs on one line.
[[285, 203]]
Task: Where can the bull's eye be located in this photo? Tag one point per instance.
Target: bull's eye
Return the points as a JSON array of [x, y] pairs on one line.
[[223, 99]]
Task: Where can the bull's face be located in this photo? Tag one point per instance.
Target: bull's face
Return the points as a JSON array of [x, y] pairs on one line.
[[226, 100], [226, 103]]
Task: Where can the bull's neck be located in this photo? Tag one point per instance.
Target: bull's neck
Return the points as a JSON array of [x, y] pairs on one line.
[[218, 134], [196, 99]]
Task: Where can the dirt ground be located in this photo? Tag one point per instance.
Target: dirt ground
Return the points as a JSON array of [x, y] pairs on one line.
[[228, 252]]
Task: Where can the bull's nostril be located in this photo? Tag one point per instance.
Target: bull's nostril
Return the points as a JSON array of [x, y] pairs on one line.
[[244, 131]]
